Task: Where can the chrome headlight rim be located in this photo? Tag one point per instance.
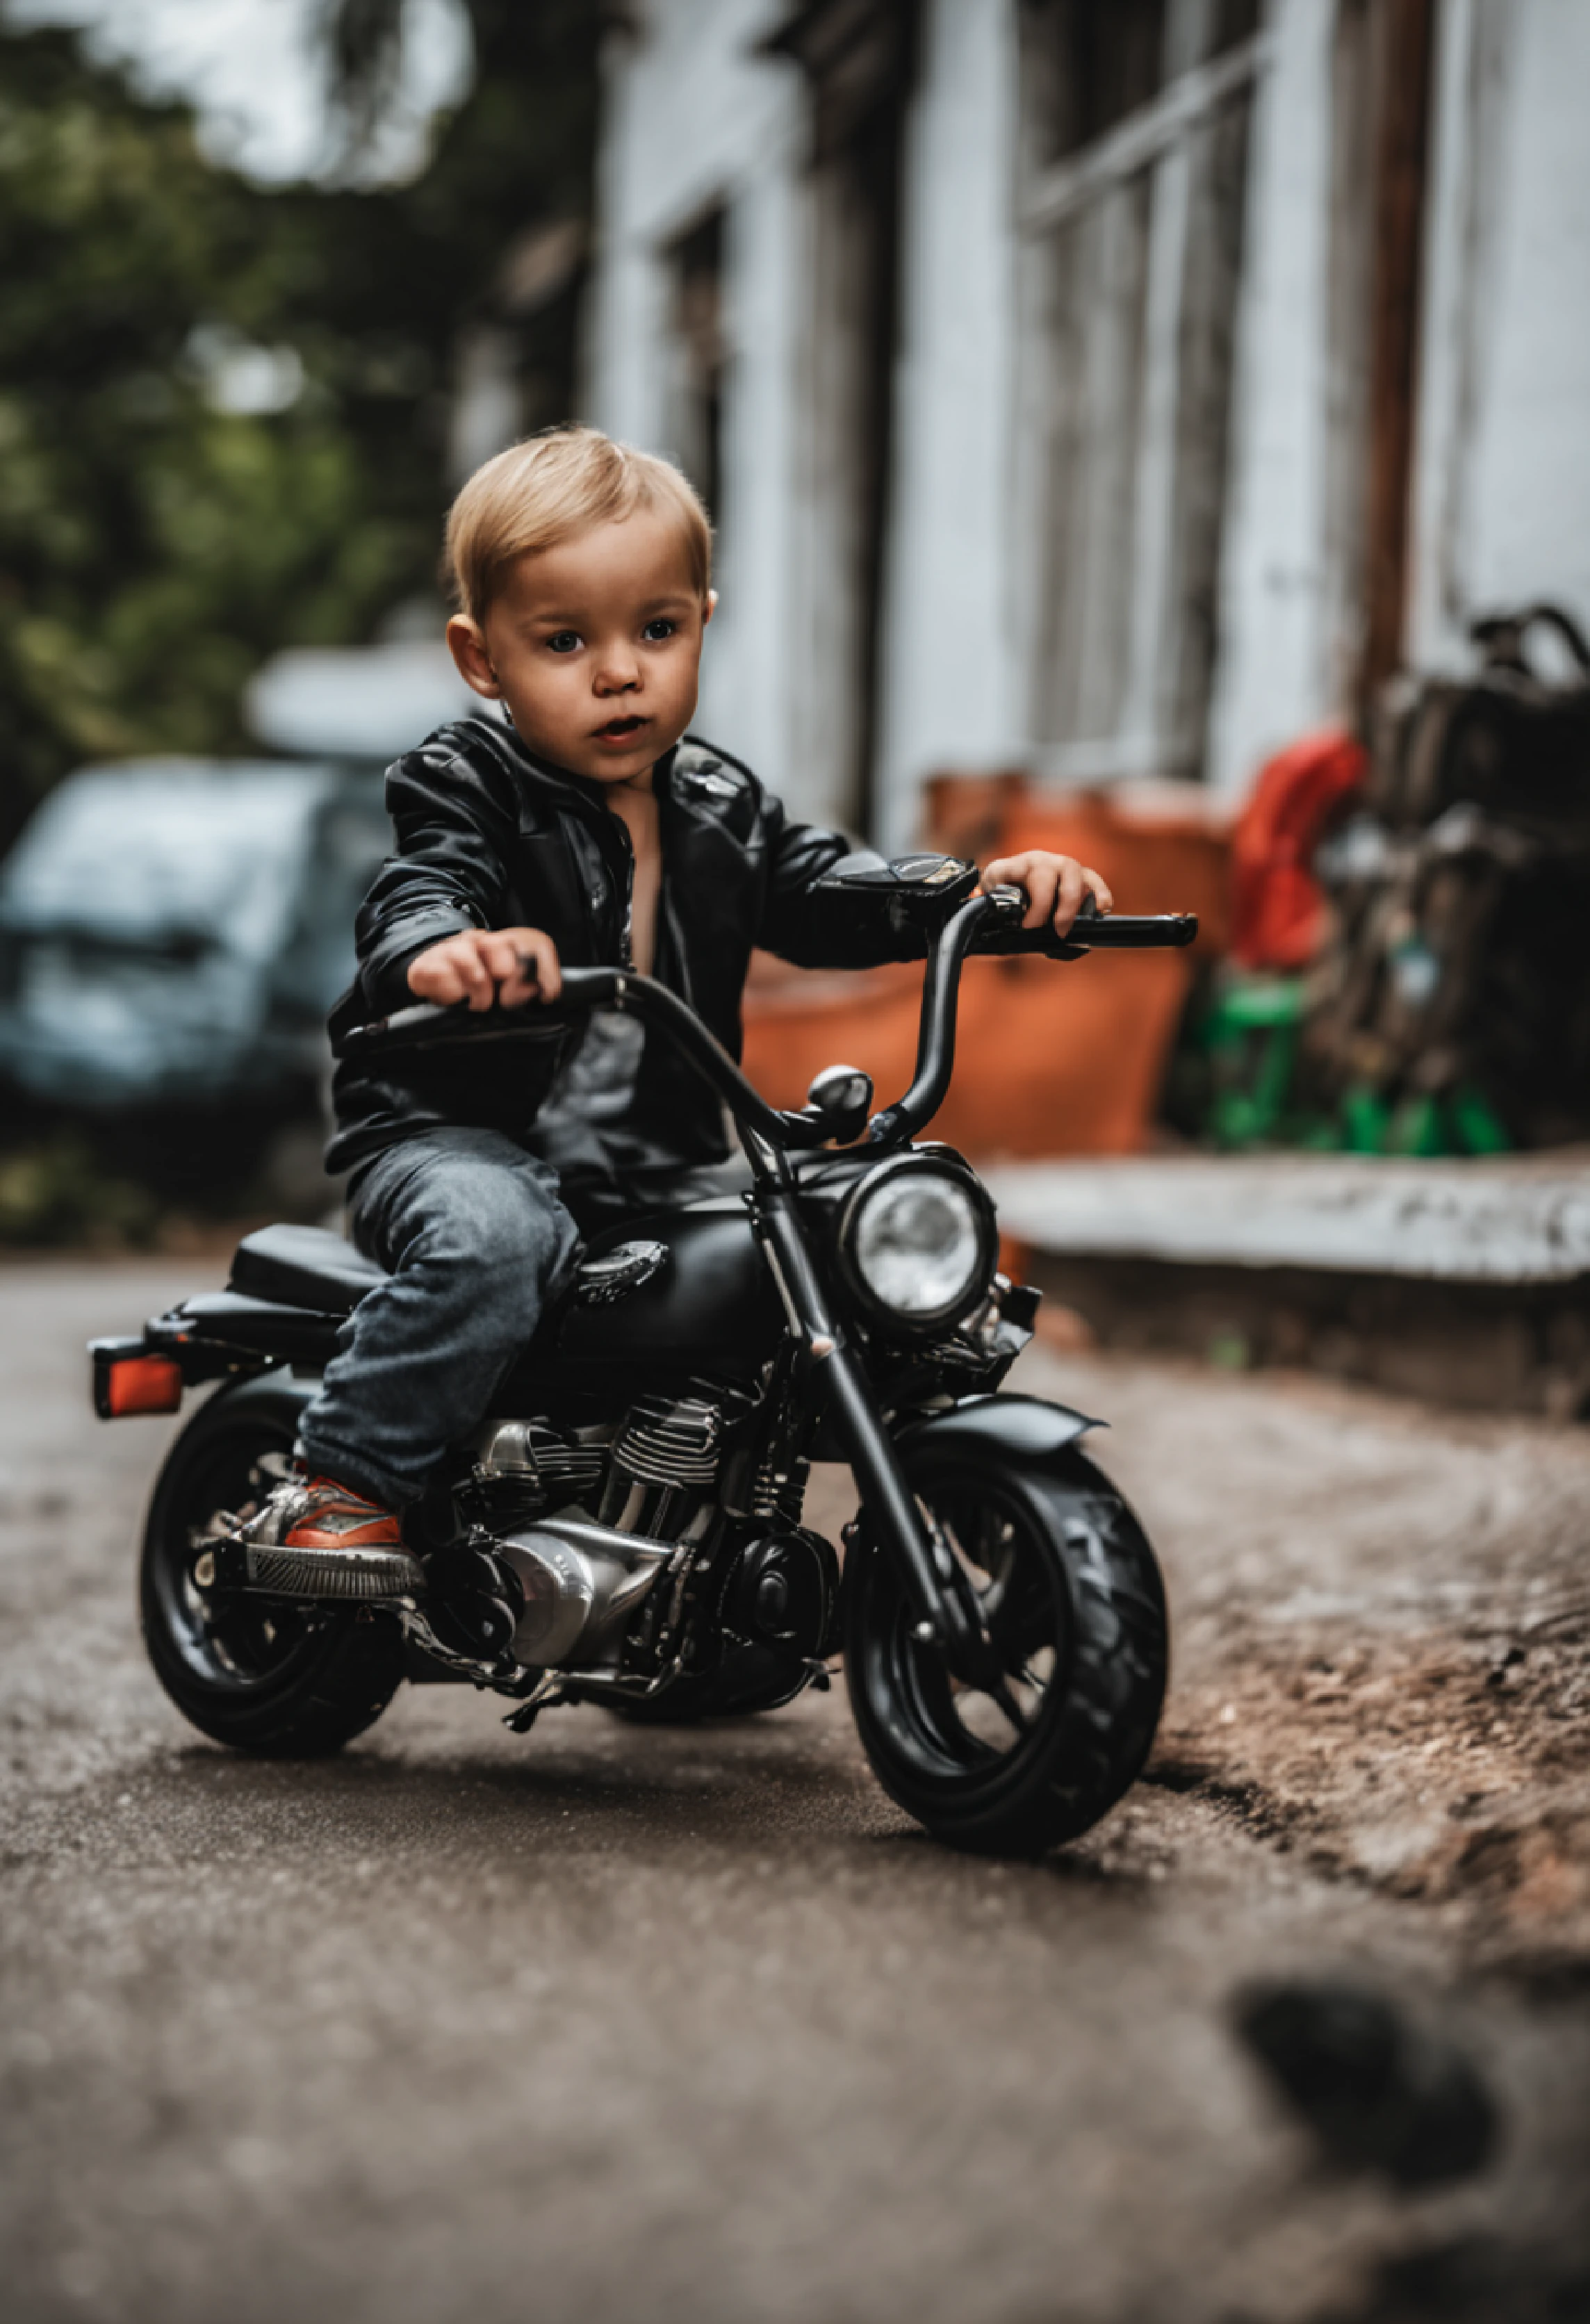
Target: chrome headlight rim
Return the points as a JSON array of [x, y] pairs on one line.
[[932, 1324]]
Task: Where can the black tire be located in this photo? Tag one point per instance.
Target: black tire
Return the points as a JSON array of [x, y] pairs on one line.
[[1075, 1601], [266, 1680]]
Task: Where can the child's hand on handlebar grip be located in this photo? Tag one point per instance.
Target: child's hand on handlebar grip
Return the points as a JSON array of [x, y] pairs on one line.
[[507, 966], [1055, 886]]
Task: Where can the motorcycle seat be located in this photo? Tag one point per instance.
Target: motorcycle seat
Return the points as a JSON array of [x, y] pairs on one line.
[[311, 1267], [304, 1266]]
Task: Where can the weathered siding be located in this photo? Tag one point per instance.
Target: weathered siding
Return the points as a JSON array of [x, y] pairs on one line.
[[953, 675], [1503, 473], [1128, 523], [695, 118]]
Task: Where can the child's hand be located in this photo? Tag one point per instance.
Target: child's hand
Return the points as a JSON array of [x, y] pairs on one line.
[[506, 965], [1055, 886]]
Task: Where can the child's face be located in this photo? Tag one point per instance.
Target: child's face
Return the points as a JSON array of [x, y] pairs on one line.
[[594, 646]]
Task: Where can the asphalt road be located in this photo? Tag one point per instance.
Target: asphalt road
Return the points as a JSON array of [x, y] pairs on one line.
[[623, 2025]]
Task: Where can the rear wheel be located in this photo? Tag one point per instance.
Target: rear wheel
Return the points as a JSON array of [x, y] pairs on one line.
[[262, 1676], [1070, 1596]]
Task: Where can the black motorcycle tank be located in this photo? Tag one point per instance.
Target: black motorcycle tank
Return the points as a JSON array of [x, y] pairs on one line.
[[710, 1306]]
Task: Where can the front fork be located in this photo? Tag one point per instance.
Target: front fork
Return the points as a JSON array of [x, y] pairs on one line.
[[940, 1597]]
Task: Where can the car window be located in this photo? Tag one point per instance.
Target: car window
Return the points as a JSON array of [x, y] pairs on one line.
[[172, 858], [352, 837]]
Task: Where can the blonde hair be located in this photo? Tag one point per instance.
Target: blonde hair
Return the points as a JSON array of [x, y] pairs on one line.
[[552, 486]]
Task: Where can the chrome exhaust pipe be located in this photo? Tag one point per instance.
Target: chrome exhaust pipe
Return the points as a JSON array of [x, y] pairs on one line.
[[580, 1582]]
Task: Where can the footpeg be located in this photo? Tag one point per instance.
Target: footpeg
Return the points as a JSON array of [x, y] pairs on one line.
[[348, 1576]]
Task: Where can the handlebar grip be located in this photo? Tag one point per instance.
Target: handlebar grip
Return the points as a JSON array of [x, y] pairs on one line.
[[1134, 931], [428, 1025], [1093, 932]]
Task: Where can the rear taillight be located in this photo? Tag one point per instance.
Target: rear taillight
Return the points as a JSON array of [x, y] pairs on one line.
[[130, 1380]]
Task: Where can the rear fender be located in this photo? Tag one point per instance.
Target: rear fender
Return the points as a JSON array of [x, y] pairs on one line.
[[284, 1395], [220, 1332]]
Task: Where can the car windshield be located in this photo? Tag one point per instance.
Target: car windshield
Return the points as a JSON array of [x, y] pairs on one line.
[[165, 857]]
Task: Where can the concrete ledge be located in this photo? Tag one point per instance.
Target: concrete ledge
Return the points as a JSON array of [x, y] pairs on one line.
[[1487, 1347], [1520, 1219]]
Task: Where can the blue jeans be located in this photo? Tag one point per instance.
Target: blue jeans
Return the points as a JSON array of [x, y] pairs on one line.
[[476, 1237]]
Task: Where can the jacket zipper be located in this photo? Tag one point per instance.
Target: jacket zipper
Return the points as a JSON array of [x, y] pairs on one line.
[[627, 940], [666, 900]]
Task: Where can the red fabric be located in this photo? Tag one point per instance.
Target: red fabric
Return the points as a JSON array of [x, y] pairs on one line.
[[1277, 909]]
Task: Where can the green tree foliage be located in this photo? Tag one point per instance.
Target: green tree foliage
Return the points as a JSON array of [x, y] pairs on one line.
[[153, 548]]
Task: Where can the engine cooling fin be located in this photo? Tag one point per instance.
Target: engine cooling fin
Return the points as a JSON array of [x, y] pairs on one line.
[[524, 1467], [671, 1441]]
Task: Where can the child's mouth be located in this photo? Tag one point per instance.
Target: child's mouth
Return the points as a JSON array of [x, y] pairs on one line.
[[619, 730]]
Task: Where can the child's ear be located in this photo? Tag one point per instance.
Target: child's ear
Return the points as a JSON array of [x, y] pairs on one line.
[[710, 608], [467, 645]]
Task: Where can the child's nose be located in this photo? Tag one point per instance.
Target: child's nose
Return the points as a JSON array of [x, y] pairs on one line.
[[617, 670]]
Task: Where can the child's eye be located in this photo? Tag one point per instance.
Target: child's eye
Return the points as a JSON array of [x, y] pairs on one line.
[[656, 632], [564, 642]]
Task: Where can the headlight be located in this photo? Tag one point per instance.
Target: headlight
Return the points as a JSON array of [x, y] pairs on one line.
[[920, 1244]]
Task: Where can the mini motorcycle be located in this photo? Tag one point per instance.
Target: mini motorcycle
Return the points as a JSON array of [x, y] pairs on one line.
[[626, 1527]]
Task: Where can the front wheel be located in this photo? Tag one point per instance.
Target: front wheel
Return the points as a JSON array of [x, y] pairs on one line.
[[266, 1678], [1070, 1595]]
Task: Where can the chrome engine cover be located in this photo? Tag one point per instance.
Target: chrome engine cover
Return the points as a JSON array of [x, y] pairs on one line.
[[582, 1583]]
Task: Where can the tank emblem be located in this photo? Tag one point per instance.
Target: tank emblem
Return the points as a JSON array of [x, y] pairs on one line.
[[616, 1273]]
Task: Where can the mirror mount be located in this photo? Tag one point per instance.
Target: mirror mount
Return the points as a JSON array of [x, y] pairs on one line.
[[839, 1101]]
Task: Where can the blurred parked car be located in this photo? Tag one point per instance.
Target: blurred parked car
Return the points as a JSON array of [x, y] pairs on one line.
[[173, 932]]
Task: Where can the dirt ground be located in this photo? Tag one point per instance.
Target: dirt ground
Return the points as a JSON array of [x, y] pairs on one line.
[[620, 2027], [1382, 1640]]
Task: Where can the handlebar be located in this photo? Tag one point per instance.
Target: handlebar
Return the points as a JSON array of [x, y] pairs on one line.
[[991, 923], [1091, 931], [427, 1026], [985, 925]]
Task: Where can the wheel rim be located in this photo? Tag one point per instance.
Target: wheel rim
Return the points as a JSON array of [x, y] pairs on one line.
[[232, 1644], [950, 1732]]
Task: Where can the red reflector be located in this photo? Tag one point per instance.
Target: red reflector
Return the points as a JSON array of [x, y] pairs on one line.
[[144, 1384]]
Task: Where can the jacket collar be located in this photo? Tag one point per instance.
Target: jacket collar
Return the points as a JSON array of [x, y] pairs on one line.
[[504, 743]]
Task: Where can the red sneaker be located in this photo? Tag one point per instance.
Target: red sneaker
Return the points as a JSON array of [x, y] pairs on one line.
[[315, 1539], [330, 1516]]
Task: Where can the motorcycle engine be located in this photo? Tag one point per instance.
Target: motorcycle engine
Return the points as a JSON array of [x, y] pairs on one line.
[[782, 1595], [652, 1473], [654, 1477]]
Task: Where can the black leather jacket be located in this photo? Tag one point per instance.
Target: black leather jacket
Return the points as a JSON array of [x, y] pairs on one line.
[[488, 836]]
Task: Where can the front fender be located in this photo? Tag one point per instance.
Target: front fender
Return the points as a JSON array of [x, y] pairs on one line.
[[1019, 1429]]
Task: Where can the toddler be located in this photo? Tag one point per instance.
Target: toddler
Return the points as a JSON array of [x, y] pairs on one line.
[[585, 826]]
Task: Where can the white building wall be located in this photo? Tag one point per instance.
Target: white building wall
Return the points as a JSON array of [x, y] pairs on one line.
[[1502, 504], [693, 117], [1502, 487], [952, 690], [1274, 676]]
